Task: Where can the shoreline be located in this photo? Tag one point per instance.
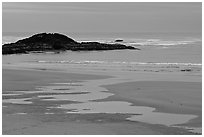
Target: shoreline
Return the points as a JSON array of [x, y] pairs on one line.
[[139, 86], [79, 77], [40, 78], [138, 94]]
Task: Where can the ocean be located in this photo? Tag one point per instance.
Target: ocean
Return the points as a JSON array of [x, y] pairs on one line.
[[158, 51]]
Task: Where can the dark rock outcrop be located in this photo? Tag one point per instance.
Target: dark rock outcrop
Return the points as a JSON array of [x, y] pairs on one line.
[[55, 42], [186, 70], [118, 40]]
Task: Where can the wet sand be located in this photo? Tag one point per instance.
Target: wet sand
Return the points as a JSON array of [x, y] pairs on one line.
[[20, 79], [61, 124], [35, 118], [165, 96]]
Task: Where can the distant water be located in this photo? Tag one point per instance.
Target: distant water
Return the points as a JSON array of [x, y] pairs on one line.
[[167, 49], [141, 38]]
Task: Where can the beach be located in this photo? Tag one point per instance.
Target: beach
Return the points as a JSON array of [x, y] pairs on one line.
[[36, 97], [36, 119], [102, 68], [155, 90]]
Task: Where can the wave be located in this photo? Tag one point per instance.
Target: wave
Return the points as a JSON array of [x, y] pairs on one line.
[[159, 42], [10, 39], [122, 62], [148, 42]]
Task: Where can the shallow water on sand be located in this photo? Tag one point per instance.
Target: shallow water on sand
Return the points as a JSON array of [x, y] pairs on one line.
[[162, 118], [18, 101], [140, 113], [88, 91], [89, 106]]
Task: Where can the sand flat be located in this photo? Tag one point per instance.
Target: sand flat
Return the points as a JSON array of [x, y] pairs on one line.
[[165, 96], [34, 120], [16, 79]]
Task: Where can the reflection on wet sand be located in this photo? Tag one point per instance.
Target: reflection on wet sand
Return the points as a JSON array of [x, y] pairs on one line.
[[92, 91]]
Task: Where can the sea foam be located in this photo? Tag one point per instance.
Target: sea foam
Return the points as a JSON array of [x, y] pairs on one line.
[[120, 62]]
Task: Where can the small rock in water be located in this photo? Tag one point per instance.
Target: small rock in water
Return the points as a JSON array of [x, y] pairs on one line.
[[118, 40], [186, 70]]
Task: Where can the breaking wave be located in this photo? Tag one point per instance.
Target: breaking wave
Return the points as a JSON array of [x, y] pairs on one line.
[[158, 42], [120, 62], [150, 42]]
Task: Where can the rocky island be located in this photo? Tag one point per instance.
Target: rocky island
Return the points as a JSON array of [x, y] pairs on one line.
[[56, 42], [118, 40]]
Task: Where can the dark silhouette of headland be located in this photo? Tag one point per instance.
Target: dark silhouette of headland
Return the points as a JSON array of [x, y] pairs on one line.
[[56, 42]]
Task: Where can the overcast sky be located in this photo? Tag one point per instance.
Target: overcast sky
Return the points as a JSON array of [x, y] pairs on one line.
[[102, 17]]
